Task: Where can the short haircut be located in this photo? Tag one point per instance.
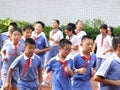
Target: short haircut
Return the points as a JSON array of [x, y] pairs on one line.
[[28, 26], [29, 41], [115, 42], [14, 24], [86, 37], [64, 42], [41, 23], [17, 29], [103, 26]]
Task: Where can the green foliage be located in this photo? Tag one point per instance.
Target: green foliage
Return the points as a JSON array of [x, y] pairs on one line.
[[117, 30], [4, 23], [90, 26]]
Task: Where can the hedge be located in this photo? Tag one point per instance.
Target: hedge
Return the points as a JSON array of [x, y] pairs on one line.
[[90, 26]]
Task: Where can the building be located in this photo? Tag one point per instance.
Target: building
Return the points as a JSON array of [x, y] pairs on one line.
[[64, 10]]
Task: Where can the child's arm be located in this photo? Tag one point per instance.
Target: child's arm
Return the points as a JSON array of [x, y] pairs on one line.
[[7, 82], [3, 54], [39, 78], [94, 46], [80, 70], [38, 51], [107, 81], [93, 71], [68, 70]]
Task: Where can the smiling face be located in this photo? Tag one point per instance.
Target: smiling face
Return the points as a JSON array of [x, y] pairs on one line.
[[29, 49], [27, 33], [64, 51], [38, 28]]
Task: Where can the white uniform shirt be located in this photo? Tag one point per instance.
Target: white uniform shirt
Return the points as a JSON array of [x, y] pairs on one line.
[[56, 36], [107, 42], [73, 40]]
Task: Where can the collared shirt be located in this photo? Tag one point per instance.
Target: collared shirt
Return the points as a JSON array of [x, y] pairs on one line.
[[110, 70], [32, 71]]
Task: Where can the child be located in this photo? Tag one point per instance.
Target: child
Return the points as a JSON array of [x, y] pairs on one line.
[[6, 35], [109, 74], [54, 38], [9, 52], [79, 32], [85, 65], [42, 44], [70, 35], [61, 67], [27, 32], [29, 66], [104, 45]]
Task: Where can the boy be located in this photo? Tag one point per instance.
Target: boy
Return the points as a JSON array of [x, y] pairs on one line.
[[29, 65], [103, 42], [9, 52], [109, 74], [84, 64], [61, 67], [27, 32], [42, 45]]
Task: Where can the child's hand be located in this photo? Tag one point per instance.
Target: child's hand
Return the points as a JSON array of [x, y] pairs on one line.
[[93, 71], [4, 58], [37, 51], [68, 69], [6, 86], [82, 70], [51, 39]]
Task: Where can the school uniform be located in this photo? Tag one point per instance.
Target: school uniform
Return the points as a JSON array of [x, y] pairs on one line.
[[80, 34], [60, 79], [3, 38], [28, 80], [103, 44], [110, 70], [11, 54], [22, 40], [41, 43], [56, 35], [82, 81], [74, 42]]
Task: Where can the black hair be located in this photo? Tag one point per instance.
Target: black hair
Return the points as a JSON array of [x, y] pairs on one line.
[[70, 27], [86, 37], [17, 29], [14, 24], [115, 42], [111, 29], [28, 26], [103, 26], [63, 42], [78, 22], [29, 41], [58, 22], [41, 23]]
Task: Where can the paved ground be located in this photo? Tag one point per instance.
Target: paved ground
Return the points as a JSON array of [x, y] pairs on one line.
[[94, 84]]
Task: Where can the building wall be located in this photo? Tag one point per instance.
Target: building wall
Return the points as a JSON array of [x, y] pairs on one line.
[[64, 10]]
